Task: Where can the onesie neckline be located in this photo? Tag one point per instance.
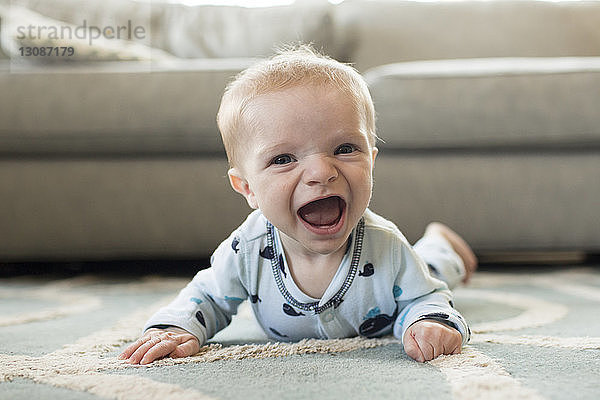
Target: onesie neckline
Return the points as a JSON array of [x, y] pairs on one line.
[[337, 298]]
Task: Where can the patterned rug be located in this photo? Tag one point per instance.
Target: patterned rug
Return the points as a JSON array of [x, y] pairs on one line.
[[536, 335]]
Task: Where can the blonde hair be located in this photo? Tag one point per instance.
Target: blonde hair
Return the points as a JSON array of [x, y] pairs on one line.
[[289, 67]]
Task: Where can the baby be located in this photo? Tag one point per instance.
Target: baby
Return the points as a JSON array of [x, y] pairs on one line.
[[314, 261]]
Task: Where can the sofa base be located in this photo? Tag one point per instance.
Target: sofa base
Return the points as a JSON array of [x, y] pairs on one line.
[[90, 209]]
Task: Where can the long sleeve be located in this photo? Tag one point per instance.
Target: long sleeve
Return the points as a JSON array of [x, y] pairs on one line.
[[207, 303], [420, 296]]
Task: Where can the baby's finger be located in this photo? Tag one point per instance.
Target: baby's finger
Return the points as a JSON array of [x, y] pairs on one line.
[[412, 349], [450, 346], [438, 350], [188, 348], [453, 344], [427, 349], [143, 349], [129, 351], [457, 349], [133, 347], [159, 350]]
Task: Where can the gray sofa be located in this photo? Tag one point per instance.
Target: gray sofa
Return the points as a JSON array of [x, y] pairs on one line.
[[489, 111]]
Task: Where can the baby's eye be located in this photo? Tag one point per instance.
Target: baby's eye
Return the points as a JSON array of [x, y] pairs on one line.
[[345, 148], [282, 159]]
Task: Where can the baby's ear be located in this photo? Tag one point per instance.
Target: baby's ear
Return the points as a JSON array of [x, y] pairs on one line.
[[375, 150], [241, 185]]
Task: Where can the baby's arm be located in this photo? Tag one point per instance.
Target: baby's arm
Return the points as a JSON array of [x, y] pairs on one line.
[[430, 326], [427, 322], [158, 343], [201, 309]]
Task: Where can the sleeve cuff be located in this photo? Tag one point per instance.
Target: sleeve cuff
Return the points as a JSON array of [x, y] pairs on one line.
[[448, 317]]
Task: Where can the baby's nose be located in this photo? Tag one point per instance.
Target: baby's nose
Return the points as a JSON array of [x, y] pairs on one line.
[[320, 171]]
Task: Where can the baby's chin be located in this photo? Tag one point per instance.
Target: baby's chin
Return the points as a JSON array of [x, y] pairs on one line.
[[315, 244], [330, 245]]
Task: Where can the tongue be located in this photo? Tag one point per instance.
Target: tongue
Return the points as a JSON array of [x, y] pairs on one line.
[[321, 212]]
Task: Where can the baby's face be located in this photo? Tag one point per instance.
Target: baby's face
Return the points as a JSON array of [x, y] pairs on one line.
[[307, 165]]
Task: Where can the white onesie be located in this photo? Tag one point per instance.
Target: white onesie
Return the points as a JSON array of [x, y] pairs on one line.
[[382, 286]]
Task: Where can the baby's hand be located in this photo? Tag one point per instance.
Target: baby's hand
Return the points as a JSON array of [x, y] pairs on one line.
[[426, 339], [158, 343]]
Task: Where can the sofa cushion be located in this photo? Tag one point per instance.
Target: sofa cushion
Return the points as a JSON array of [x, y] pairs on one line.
[[120, 108], [493, 103], [380, 32], [218, 31]]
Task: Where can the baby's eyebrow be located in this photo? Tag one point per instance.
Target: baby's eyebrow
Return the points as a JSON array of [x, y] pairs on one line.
[[355, 135], [351, 136], [265, 149]]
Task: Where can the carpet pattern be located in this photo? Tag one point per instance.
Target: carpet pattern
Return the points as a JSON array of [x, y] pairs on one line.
[[535, 336]]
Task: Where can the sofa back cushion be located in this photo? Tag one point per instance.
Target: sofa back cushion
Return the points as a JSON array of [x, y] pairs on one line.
[[490, 103], [377, 32], [115, 109]]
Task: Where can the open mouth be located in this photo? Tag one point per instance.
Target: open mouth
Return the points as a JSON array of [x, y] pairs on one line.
[[323, 215]]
